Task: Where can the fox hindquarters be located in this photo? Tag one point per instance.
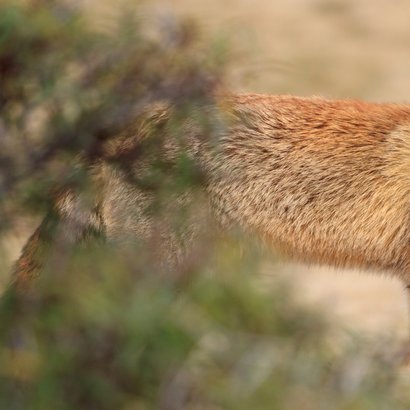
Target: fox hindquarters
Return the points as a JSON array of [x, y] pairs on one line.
[[323, 181]]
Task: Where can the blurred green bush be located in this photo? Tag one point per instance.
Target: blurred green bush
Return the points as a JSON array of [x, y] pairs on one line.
[[106, 327]]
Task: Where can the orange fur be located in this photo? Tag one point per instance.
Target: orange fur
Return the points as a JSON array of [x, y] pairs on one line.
[[328, 181], [324, 181]]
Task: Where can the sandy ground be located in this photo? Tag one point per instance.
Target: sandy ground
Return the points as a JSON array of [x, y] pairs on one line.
[[363, 302], [335, 48], [344, 48]]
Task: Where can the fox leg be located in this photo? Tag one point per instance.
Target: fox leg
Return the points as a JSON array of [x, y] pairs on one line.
[[69, 222]]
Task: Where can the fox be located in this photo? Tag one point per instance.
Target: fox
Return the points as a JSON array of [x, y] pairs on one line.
[[322, 181]]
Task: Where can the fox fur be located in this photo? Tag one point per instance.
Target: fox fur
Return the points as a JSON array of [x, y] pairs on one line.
[[323, 181]]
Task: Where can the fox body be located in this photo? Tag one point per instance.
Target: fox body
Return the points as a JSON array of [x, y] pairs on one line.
[[323, 181]]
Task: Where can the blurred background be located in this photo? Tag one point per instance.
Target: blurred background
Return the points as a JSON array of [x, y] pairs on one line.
[[335, 49], [329, 48]]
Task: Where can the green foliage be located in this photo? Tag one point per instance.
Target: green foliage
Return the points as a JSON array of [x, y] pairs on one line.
[[107, 327], [92, 335]]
